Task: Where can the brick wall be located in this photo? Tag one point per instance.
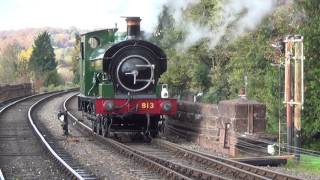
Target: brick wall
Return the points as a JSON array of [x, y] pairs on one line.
[[219, 126], [14, 91]]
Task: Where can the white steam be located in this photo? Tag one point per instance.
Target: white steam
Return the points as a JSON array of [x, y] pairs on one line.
[[254, 12], [178, 6], [235, 18], [149, 10], [241, 15]]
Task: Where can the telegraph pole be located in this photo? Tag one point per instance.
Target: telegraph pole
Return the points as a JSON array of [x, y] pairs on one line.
[[287, 87], [292, 47], [298, 93]]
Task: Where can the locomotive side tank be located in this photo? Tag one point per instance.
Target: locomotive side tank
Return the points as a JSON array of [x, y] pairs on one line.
[[119, 90]]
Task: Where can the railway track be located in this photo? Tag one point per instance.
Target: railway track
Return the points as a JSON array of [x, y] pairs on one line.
[[210, 159], [97, 157], [22, 142], [174, 162]]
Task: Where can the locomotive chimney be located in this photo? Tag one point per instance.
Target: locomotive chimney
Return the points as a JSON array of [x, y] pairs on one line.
[[133, 27]]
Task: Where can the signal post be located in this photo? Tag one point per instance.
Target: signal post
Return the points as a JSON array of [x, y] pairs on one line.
[[298, 93], [292, 47]]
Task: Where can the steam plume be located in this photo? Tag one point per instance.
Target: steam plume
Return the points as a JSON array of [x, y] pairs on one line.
[[236, 16]]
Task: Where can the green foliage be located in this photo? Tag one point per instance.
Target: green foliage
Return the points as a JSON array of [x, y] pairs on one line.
[[52, 87], [177, 75], [200, 78], [42, 59], [23, 73], [311, 112], [52, 78], [166, 35], [307, 163], [62, 40], [248, 59], [8, 63], [206, 12], [75, 59], [220, 72], [219, 89]]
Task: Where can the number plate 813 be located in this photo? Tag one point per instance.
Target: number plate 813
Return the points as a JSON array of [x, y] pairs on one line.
[[147, 105]]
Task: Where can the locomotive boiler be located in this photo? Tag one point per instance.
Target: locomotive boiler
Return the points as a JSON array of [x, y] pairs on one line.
[[119, 89]]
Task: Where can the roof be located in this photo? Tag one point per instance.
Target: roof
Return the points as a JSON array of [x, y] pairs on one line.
[[101, 30]]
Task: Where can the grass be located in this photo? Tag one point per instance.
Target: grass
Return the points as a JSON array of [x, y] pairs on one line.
[[57, 88], [307, 163]]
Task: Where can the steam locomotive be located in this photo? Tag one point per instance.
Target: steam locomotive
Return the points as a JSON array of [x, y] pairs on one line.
[[119, 90]]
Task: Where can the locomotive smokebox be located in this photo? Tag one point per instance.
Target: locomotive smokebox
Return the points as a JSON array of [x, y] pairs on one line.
[[133, 27]]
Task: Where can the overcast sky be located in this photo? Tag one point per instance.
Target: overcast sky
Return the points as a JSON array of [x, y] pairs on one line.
[[84, 14]]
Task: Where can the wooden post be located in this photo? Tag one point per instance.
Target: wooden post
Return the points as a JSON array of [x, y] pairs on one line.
[[250, 119], [286, 46], [297, 96], [288, 54]]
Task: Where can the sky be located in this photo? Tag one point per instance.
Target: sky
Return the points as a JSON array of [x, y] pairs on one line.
[[83, 14]]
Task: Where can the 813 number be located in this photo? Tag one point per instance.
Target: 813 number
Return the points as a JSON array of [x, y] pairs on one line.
[[147, 105]]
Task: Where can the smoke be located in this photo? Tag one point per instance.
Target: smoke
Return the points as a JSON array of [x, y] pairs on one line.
[[236, 18], [254, 11], [149, 10], [178, 6]]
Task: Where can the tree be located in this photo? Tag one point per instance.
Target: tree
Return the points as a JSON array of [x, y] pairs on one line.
[[8, 63], [310, 31], [52, 78], [249, 55], [23, 73], [75, 59], [42, 59], [178, 75]]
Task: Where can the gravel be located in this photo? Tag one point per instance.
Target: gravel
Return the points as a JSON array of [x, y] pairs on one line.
[[107, 164], [190, 145], [21, 155], [95, 156], [196, 147], [294, 172]]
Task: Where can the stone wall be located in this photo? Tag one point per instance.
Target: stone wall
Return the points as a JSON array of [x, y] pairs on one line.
[[219, 126], [13, 91]]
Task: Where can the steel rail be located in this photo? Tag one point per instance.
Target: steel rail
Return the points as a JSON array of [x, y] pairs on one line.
[[1, 175], [159, 168], [71, 172], [174, 167], [237, 169], [46, 144], [226, 169], [240, 165], [7, 105], [189, 171]]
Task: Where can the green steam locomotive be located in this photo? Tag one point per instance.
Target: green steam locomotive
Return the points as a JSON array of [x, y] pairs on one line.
[[119, 90]]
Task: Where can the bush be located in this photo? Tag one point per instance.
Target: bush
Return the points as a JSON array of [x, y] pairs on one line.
[[53, 78]]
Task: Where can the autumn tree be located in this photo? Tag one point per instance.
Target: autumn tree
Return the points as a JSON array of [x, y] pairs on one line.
[[8, 63], [23, 73], [75, 59]]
